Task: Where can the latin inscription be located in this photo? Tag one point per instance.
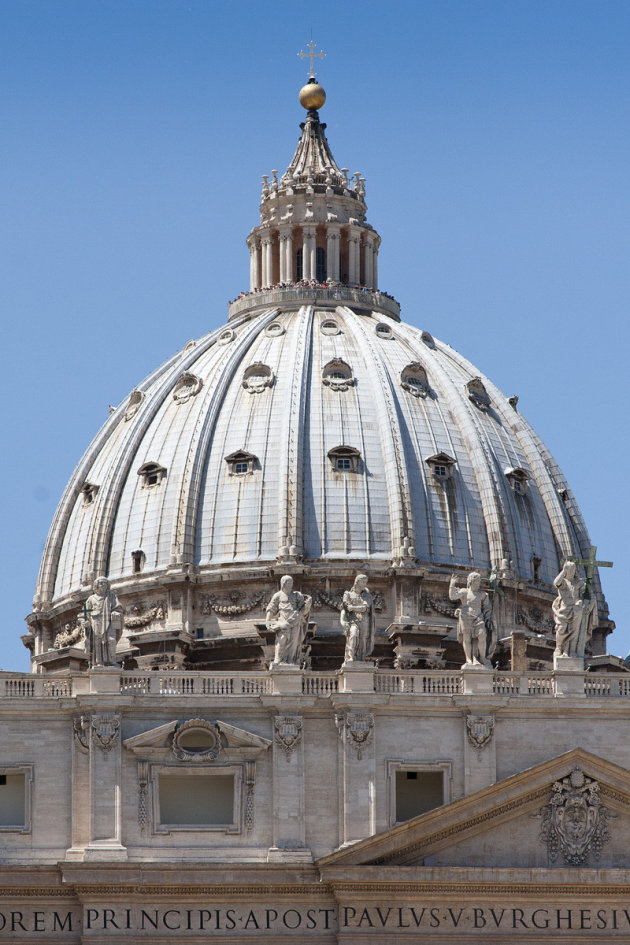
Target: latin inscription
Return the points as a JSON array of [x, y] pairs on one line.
[[214, 921]]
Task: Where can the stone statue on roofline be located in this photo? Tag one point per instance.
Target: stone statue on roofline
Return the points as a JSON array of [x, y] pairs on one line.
[[102, 620], [574, 614], [287, 616], [357, 620], [475, 630]]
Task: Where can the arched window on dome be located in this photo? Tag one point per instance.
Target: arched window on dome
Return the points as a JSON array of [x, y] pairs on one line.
[[518, 479], [478, 394], [89, 490], [241, 463], [337, 374], [138, 559], [344, 459], [441, 465], [414, 379], [151, 474]]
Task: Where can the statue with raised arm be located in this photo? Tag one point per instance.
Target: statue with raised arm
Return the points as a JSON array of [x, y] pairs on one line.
[[474, 620], [287, 616], [357, 620], [102, 622], [574, 615]]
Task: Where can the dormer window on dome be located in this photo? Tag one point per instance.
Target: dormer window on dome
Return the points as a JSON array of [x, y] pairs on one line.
[[441, 465], [414, 379], [186, 387], [241, 463], [478, 393], [337, 374], [89, 490], [384, 331], [518, 479], [151, 475], [257, 377], [344, 459]]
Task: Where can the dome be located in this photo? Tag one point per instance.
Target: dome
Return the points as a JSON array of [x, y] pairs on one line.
[[314, 434]]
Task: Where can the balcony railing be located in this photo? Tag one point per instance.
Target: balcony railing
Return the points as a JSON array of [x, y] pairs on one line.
[[330, 295], [423, 684]]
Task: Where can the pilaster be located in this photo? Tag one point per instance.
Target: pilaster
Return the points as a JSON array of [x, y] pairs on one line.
[[289, 830], [357, 767]]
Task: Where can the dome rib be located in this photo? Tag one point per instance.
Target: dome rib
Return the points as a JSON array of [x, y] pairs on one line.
[[183, 541], [291, 479], [400, 508]]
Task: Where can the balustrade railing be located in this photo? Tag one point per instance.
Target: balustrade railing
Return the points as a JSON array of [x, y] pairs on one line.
[[431, 683]]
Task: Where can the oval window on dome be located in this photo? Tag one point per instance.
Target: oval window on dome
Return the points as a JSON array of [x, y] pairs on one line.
[[383, 331], [257, 377], [330, 327], [186, 387], [478, 394], [337, 374], [133, 406], [226, 336], [427, 338], [414, 379], [274, 329]]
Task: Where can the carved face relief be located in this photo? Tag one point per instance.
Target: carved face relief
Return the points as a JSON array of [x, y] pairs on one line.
[[575, 822]]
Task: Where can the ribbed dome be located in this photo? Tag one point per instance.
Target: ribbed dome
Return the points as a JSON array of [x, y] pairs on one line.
[[315, 434], [261, 388]]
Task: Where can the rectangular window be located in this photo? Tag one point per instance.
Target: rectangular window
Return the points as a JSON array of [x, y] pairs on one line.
[[196, 800], [344, 464], [299, 265], [15, 798], [417, 787], [241, 467]]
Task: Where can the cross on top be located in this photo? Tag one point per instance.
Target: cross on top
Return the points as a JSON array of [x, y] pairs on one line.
[[589, 565], [311, 55]]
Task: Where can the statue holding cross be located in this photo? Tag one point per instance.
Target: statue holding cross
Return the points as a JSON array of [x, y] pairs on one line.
[[575, 609]]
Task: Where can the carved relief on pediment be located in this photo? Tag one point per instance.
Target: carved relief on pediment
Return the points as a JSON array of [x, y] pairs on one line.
[[575, 822]]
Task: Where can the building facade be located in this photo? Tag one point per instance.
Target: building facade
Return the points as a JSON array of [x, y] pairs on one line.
[[175, 769]]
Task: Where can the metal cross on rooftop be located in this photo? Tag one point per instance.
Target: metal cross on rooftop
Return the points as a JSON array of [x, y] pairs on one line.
[[589, 565], [311, 55]]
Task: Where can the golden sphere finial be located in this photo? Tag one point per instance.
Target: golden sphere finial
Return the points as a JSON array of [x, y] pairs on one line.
[[312, 95]]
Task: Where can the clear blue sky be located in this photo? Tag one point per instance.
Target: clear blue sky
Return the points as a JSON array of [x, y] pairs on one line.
[[494, 137]]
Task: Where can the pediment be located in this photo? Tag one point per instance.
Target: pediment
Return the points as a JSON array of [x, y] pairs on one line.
[[506, 825], [228, 741]]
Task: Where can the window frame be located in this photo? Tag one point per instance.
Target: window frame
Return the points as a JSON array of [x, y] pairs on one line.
[[235, 770], [28, 771], [426, 767]]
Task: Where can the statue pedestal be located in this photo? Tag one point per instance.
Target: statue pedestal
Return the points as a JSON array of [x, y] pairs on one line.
[[286, 679], [568, 664], [477, 680], [105, 679], [357, 676], [568, 674]]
